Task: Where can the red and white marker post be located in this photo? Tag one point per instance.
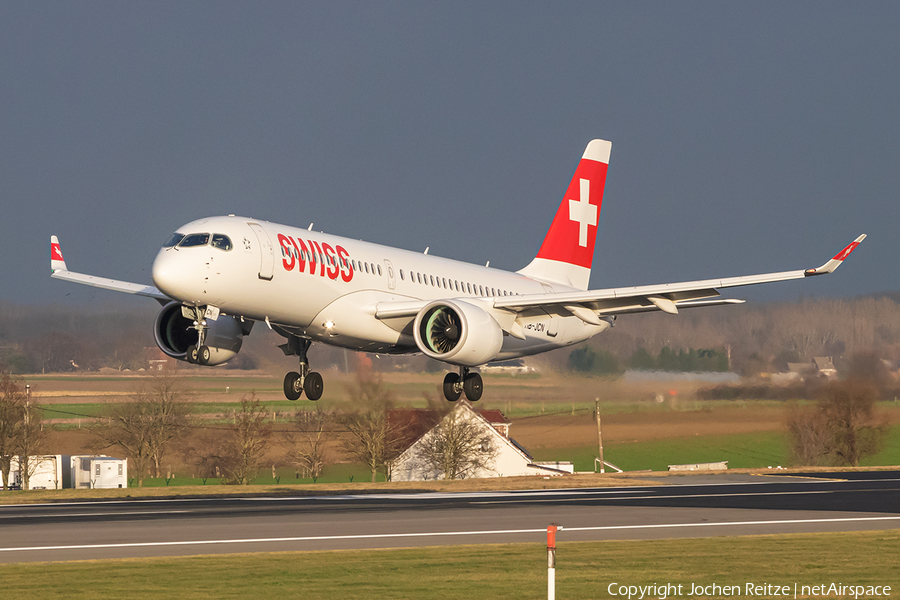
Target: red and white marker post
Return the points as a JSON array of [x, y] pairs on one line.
[[551, 560]]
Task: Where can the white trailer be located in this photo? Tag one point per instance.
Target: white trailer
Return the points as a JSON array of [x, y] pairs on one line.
[[99, 472], [48, 472]]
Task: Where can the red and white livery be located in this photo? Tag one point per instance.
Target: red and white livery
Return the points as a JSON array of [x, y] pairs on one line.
[[218, 276]]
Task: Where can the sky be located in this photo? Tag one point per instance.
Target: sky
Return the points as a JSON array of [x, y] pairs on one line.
[[746, 137]]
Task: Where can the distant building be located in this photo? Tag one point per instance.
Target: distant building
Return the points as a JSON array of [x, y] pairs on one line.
[[511, 459], [819, 367], [515, 366], [636, 376], [156, 359]]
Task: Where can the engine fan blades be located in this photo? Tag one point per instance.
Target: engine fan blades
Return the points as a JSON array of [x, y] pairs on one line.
[[442, 330]]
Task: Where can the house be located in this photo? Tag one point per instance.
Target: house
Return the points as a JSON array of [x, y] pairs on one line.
[[818, 367], [505, 458]]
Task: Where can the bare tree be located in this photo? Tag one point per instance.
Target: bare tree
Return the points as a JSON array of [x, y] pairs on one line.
[[12, 399], [849, 410], [235, 452], [22, 431], [459, 446], [372, 438], [145, 426], [307, 439], [841, 429], [808, 436]]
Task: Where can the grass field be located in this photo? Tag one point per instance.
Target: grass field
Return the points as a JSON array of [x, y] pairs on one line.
[[584, 570]]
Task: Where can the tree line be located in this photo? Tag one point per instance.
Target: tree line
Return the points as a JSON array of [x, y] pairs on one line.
[[602, 362], [753, 338], [157, 422]]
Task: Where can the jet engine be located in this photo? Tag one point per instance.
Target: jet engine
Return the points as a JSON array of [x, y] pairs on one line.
[[458, 333], [175, 334]]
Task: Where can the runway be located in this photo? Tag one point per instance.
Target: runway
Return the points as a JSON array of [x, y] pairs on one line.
[[692, 506]]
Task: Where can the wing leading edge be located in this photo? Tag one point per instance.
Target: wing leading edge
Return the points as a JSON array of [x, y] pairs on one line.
[[591, 305], [59, 270]]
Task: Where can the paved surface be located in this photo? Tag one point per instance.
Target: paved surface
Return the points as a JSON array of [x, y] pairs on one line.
[[697, 506]]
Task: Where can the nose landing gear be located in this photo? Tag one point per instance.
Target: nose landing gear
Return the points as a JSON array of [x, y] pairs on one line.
[[455, 384], [198, 354]]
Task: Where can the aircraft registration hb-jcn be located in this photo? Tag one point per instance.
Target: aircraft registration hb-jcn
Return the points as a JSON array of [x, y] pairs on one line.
[[216, 277]]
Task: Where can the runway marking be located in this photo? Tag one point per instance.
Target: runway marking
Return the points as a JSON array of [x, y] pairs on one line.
[[97, 514], [439, 534], [667, 497]]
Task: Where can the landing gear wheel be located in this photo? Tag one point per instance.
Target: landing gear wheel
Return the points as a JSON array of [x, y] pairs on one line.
[[313, 386], [192, 355], [203, 355], [452, 389], [292, 387], [473, 386]]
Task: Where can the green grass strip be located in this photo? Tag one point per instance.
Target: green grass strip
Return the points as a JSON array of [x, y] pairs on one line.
[[584, 570]]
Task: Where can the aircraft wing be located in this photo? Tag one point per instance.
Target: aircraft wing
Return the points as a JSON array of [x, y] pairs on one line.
[[591, 305], [59, 270]]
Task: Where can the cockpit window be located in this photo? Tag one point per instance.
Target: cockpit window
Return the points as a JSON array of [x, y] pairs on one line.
[[194, 239], [223, 242], [173, 241]]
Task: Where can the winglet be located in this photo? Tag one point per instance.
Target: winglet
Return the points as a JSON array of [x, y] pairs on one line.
[[57, 262], [835, 262]]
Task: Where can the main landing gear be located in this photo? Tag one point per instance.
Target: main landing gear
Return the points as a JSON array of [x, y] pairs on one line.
[[464, 381], [306, 381]]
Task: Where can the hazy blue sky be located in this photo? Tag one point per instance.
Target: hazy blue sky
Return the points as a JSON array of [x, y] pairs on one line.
[[747, 137]]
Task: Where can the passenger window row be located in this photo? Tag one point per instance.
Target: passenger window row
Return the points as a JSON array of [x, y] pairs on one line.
[[454, 285]]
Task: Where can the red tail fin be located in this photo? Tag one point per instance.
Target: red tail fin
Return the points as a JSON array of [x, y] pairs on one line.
[[567, 252]]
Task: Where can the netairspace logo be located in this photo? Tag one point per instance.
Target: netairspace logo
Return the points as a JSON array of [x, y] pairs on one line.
[[661, 591]]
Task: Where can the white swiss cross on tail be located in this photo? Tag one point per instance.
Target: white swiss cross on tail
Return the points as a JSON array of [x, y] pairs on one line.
[[583, 212], [567, 252]]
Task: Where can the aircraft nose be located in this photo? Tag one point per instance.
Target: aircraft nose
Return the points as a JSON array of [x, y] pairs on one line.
[[169, 274]]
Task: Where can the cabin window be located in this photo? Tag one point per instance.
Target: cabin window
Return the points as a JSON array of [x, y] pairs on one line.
[[173, 240], [419, 277], [220, 241], [480, 291], [456, 283], [367, 267], [469, 285], [493, 292], [194, 239], [432, 281], [401, 275], [444, 281], [379, 270]]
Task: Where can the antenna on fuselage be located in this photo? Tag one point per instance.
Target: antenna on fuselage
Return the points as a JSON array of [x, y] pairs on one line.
[[426, 249], [310, 227]]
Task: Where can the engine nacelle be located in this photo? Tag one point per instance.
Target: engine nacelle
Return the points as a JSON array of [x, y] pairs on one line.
[[458, 333], [175, 335]]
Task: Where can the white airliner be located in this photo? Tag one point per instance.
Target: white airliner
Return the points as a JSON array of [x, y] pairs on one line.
[[216, 277]]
